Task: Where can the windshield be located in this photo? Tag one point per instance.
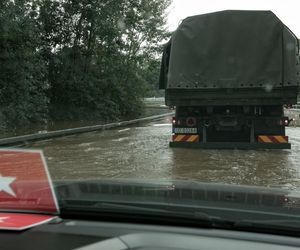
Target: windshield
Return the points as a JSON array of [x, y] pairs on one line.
[[154, 105]]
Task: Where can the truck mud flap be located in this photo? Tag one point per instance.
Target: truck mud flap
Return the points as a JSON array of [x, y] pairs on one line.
[[231, 145]]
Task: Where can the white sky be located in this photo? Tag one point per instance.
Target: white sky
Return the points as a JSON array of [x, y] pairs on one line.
[[287, 10]]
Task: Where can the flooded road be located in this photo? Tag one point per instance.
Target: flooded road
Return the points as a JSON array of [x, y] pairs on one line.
[[143, 151]]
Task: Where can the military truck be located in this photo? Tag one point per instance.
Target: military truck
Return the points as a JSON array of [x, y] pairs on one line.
[[229, 75]]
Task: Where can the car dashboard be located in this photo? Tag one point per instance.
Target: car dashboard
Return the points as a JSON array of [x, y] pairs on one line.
[[91, 235]]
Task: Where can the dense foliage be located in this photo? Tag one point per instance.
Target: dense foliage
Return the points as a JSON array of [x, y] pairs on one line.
[[78, 59]]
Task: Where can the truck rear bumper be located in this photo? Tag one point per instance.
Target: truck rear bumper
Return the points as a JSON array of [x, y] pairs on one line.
[[230, 145]]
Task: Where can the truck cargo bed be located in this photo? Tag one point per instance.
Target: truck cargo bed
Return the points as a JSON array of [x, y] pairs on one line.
[[242, 96]]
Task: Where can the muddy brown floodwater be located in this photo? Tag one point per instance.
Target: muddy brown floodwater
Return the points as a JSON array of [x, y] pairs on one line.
[[142, 151]]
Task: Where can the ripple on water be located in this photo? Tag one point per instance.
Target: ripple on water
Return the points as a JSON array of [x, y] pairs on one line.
[[120, 139], [143, 152], [85, 144]]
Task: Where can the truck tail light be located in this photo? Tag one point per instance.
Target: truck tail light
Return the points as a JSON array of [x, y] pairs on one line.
[[286, 122], [176, 121], [173, 120]]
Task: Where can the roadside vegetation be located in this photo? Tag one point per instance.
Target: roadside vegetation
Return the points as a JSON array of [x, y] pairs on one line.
[[78, 59]]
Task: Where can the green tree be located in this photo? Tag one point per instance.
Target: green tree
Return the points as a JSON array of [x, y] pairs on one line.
[[80, 59], [101, 48], [23, 82]]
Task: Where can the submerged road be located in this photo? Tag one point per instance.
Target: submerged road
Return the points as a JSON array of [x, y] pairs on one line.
[[142, 151]]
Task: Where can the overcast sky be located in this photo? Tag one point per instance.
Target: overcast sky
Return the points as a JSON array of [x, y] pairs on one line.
[[287, 10]]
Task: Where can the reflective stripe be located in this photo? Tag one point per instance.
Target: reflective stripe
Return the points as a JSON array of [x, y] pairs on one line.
[[265, 138], [273, 139], [193, 138], [185, 138], [280, 139], [179, 137]]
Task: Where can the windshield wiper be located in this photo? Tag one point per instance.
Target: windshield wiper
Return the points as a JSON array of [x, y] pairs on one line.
[[152, 211], [168, 213], [280, 226], [267, 223]]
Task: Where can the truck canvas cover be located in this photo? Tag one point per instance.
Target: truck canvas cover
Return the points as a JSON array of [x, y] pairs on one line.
[[230, 49]]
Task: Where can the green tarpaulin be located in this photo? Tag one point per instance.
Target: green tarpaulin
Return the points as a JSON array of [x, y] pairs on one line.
[[230, 49]]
